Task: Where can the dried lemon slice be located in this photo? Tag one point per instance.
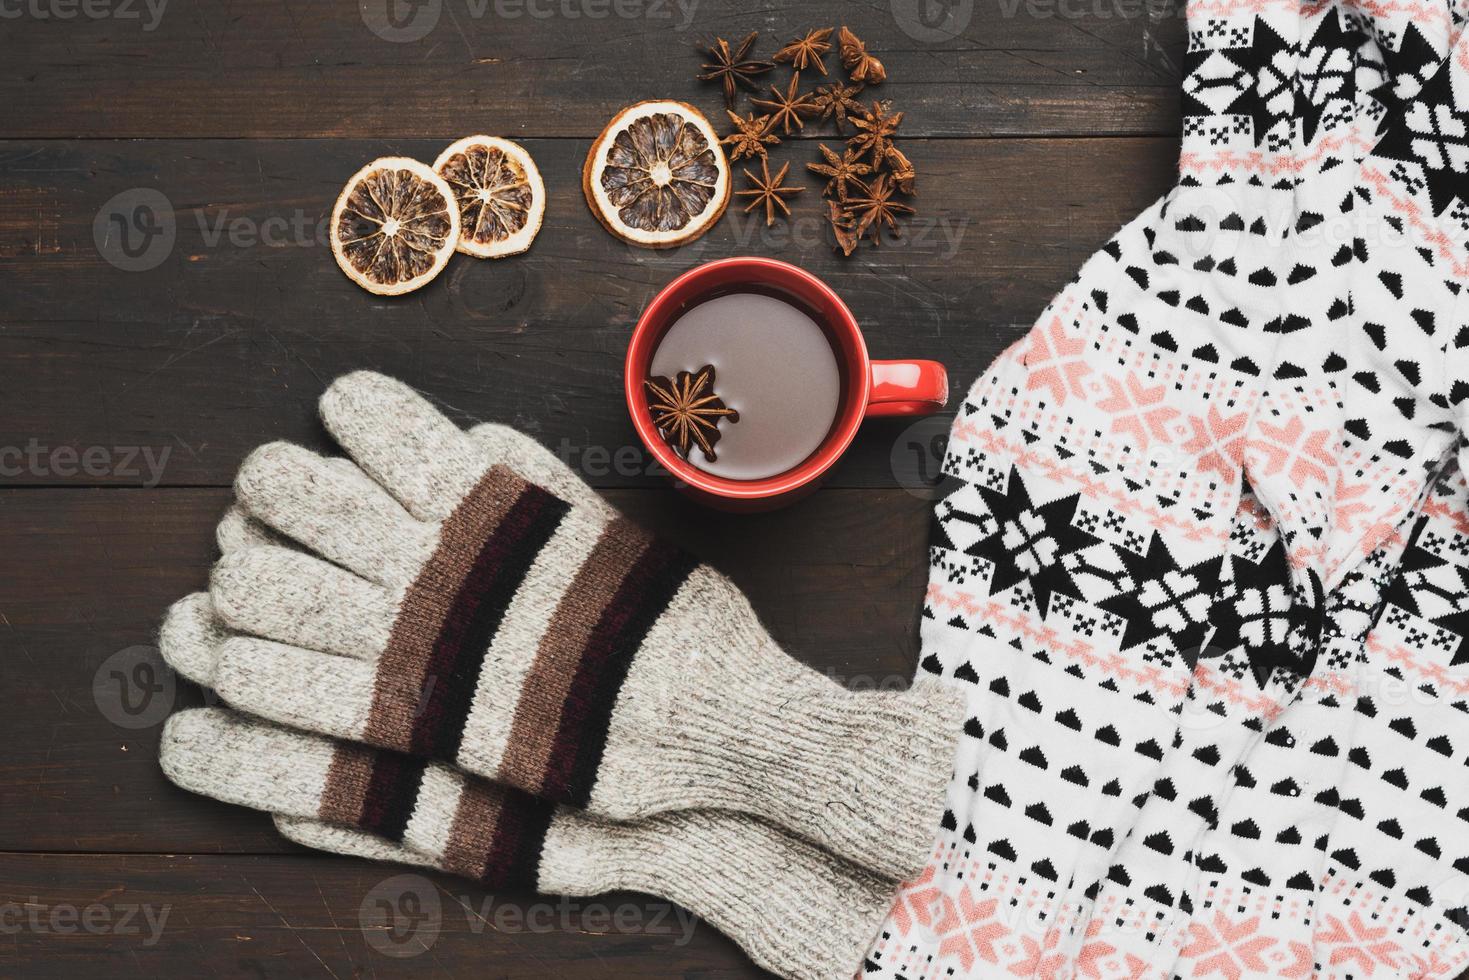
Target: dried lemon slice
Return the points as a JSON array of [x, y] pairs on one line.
[[501, 197], [394, 226], [657, 176]]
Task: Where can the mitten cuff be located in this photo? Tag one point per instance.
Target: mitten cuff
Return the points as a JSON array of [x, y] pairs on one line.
[[795, 910], [862, 774]]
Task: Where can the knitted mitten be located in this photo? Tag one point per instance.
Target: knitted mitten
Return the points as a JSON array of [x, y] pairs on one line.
[[192, 635], [835, 895], [792, 907], [472, 617]]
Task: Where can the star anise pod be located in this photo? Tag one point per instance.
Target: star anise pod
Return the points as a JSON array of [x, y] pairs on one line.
[[843, 228], [837, 100], [806, 51], [686, 410], [902, 170], [861, 66], [877, 209], [769, 191], [840, 171], [734, 68], [875, 131], [786, 108], [750, 136]]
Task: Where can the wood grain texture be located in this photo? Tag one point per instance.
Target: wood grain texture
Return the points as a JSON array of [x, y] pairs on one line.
[[201, 68], [837, 579], [228, 341], [309, 915], [1037, 129]]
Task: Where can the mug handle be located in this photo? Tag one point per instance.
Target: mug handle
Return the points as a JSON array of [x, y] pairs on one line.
[[907, 388]]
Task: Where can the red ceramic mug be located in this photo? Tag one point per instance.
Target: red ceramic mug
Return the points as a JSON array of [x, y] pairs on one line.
[[869, 388]]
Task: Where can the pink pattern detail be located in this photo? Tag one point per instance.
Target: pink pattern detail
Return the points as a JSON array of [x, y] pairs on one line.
[[1425, 228], [1301, 964], [1304, 456], [1220, 440], [1259, 162], [1139, 410], [1447, 682], [1041, 962], [916, 903], [1165, 520], [1115, 665], [1057, 361], [1231, 949], [1365, 947], [1434, 966], [970, 929]]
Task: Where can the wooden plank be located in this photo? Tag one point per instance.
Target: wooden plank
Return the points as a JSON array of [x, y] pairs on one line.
[[203, 69], [311, 915], [229, 339], [837, 579]]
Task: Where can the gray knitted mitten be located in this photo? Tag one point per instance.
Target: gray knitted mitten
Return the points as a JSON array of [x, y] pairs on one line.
[[739, 879], [466, 615], [792, 907]]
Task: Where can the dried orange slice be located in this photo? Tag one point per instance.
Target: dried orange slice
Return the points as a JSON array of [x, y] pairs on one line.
[[657, 176], [501, 197], [394, 226]]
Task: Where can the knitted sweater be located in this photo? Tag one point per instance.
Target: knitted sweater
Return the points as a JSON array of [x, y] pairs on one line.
[[1177, 568]]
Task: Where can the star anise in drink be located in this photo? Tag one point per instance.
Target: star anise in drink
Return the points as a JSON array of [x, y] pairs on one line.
[[787, 108], [875, 131], [733, 67], [877, 209], [837, 100], [769, 191], [686, 411], [749, 137], [840, 171], [861, 66], [806, 51]]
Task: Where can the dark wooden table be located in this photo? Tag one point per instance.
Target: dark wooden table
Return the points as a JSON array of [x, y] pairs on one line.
[[167, 303]]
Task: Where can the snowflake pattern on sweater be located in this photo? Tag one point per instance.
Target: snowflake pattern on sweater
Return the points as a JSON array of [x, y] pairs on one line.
[[1211, 620]]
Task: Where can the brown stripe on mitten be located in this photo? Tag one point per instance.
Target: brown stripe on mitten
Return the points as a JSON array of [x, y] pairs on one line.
[[431, 666], [796, 909], [552, 646]]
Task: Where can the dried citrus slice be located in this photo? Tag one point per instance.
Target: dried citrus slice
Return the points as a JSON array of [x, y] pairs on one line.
[[394, 226], [501, 197], [657, 176]]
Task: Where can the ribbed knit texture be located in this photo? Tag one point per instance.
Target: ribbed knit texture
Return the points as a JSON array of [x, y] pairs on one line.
[[743, 876], [747, 879], [549, 645], [809, 921], [836, 910], [743, 739]]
